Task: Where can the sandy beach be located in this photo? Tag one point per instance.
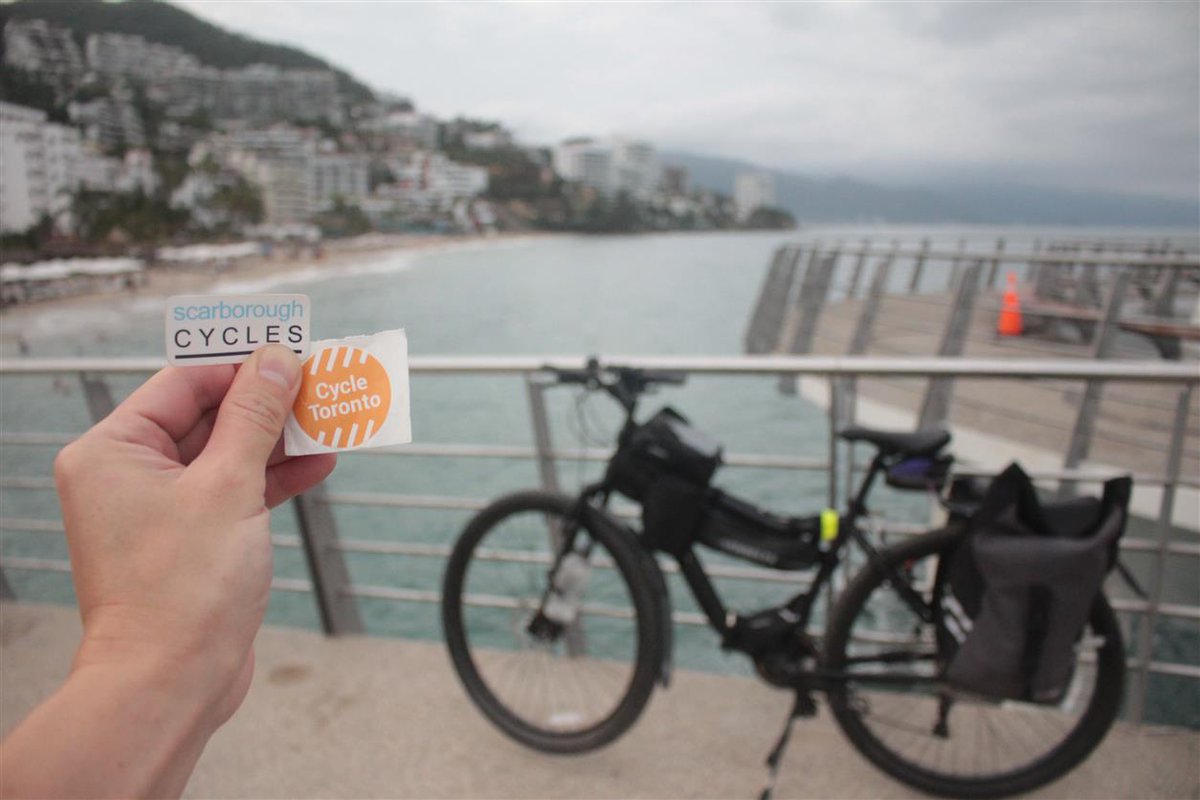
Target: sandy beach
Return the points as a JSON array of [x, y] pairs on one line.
[[162, 281]]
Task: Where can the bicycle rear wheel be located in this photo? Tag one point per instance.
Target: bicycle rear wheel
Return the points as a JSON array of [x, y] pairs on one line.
[[946, 742], [560, 689]]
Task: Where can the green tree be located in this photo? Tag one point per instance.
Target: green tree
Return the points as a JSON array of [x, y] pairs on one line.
[[343, 219], [239, 202], [769, 217]]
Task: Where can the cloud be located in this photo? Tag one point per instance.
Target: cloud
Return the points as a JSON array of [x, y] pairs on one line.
[[1074, 95]]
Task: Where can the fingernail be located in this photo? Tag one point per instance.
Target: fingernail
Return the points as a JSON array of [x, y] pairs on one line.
[[279, 365]]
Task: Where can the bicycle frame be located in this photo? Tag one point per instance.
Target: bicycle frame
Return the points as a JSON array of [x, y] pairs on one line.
[[799, 609], [723, 620]]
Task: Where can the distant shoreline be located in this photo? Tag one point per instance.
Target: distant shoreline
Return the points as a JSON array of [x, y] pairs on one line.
[[165, 281]]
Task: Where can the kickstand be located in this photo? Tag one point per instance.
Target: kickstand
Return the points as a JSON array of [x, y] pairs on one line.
[[802, 707]]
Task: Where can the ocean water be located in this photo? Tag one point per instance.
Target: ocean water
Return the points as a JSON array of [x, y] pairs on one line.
[[657, 294]]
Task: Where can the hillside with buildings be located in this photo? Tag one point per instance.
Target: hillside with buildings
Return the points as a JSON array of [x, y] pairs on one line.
[[112, 138]]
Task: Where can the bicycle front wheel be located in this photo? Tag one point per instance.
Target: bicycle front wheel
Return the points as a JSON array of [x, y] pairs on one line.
[[554, 686], [934, 738]]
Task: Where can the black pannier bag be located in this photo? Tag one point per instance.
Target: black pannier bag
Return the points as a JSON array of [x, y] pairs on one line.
[[666, 445], [1014, 598]]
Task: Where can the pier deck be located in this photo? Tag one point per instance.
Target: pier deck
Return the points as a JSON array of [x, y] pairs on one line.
[[1133, 425], [370, 717]]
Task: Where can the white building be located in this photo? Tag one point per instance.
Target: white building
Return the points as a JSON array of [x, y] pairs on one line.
[[428, 181], [133, 56], [403, 130], [610, 166], [98, 173], [752, 190], [109, 121], [137, 173], [584, 161], [344, 175], [286, 183], [38, 167], [33, 45], [491, 139], [264, 92]]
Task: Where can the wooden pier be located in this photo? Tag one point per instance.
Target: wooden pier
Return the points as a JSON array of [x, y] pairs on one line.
[[923, 300]]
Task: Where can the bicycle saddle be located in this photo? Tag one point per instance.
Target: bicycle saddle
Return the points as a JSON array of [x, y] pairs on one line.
[[919, 443]]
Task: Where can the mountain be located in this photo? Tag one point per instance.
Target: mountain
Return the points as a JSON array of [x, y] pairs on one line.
[[849, 200], [166, 24]]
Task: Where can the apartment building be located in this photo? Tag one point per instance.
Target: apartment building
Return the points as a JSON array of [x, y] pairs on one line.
[[38, 167], [429, 181], [109, 121], [34, 45], [752, 190], [609, 166], [344, 175], [262, 93], [134, 57], [402, 130]]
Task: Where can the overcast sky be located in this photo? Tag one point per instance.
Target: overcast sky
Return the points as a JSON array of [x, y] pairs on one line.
[[1068, 94]]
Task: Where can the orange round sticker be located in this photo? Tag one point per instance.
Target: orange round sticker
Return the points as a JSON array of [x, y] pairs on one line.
[[345, 397]]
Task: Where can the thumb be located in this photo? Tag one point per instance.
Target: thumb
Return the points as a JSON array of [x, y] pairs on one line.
[[250, 420]]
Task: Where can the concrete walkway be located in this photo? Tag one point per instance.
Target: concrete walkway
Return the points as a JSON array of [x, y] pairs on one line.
[[362, 717]]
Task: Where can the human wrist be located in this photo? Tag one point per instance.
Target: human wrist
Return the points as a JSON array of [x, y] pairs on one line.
[[181, 670], [122, 728]]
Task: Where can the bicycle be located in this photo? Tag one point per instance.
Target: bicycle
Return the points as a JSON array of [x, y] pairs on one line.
[[558, 621]]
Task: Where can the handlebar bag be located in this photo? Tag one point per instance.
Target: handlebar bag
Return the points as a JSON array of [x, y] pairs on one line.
[[665, 444], [1013, 599]]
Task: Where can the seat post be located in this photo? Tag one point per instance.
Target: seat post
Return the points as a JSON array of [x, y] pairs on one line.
[[858, 503]]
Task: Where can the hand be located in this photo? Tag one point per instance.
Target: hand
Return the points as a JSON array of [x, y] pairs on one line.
[[165, 504]]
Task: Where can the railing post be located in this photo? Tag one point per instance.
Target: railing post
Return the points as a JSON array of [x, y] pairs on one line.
[[766, 325], [995, 267], [918, 265], [936, 406], [956, 265], [814, 292], [1089, 404], [337, 608], [1149, 620], [6, 589], [858, 268], [97, 395], [1163, 302], [547, 469], [870, 309]]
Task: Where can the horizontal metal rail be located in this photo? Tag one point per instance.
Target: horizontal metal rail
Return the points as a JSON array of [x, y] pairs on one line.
[[824, 366], [799, 580], [1132, 259]]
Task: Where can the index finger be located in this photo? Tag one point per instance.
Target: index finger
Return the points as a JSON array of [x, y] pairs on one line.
[[176, 398]]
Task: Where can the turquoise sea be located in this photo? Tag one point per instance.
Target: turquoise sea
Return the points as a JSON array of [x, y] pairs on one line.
[[652, 294]]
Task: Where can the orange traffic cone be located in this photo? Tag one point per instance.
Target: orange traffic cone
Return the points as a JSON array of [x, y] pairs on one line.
[[1010, 310]]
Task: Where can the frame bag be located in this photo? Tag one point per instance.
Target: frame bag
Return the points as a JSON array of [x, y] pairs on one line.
[[1014, 598]]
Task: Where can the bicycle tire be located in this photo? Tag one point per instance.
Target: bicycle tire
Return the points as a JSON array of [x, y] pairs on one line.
[[852, 710], [626, 560]]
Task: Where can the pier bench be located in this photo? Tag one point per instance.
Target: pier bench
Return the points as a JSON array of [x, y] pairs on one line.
[[1041, 314]]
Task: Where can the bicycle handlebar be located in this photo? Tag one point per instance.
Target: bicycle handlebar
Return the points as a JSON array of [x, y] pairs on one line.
[[625, 384]]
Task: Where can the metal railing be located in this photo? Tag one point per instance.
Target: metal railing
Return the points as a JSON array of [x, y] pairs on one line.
[[336, 594]]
